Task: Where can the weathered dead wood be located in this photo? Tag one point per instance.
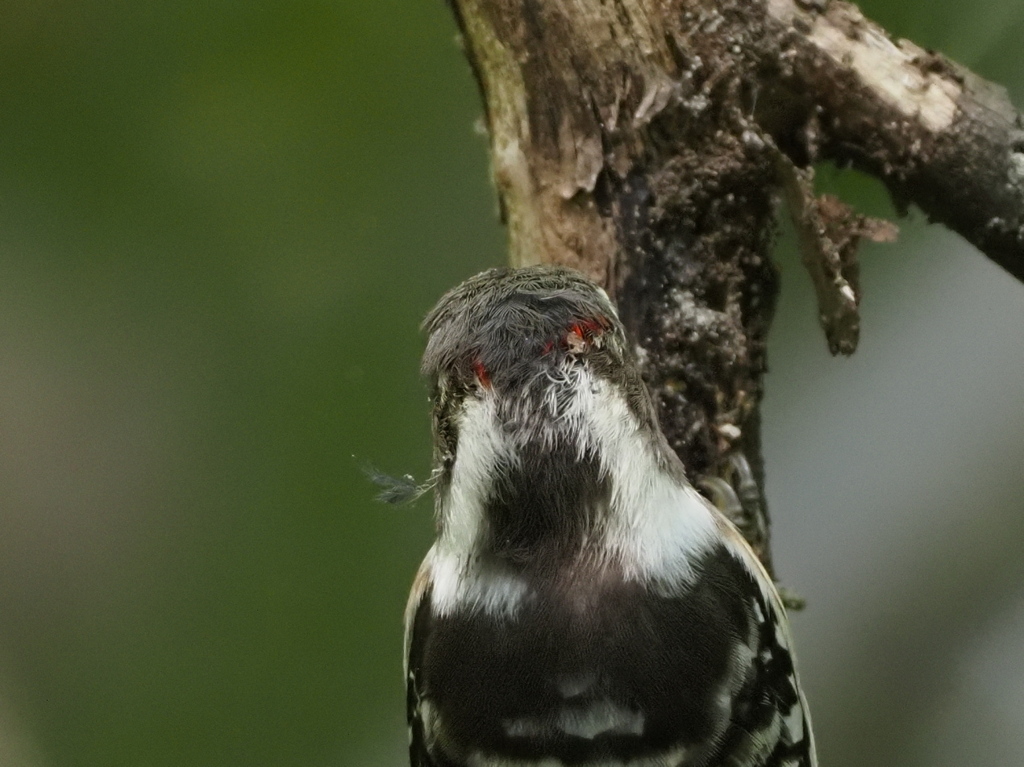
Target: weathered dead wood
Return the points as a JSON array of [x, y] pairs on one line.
[[645, 142], [937, 135]]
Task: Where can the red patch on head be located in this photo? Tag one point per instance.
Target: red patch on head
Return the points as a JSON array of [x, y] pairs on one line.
[[481, 373], [588, 328], [582, 333]]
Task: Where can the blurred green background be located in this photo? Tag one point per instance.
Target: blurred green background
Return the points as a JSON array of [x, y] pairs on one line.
[[220, 225]]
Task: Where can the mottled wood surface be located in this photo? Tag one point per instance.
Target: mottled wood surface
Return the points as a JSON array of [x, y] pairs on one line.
[[646, 142]]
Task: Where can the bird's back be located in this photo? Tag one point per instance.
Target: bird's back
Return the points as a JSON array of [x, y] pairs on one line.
[[592, 669]]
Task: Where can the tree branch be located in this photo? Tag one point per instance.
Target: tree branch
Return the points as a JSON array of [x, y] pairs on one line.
[[934, 133], [646, 142]]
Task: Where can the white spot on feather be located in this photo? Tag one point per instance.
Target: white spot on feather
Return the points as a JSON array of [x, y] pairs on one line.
[[460, 581], [671, 758], [601, 717], [571, 686]]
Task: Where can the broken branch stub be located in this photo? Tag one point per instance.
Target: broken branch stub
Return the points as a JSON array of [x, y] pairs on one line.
[[934, 133], [828, 233]]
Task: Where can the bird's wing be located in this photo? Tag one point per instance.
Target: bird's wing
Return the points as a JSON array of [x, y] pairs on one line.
[[418, 601], [774, 669]]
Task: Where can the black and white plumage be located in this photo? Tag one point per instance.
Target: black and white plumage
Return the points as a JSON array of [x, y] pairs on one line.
[[583, 604]]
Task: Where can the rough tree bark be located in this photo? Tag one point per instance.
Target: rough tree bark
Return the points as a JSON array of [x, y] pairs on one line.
[[647, 143]]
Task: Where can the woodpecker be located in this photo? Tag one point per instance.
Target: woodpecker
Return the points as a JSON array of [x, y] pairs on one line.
[[582, 604]]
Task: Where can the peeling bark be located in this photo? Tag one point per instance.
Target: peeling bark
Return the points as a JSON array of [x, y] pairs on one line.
[[646, 143]]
